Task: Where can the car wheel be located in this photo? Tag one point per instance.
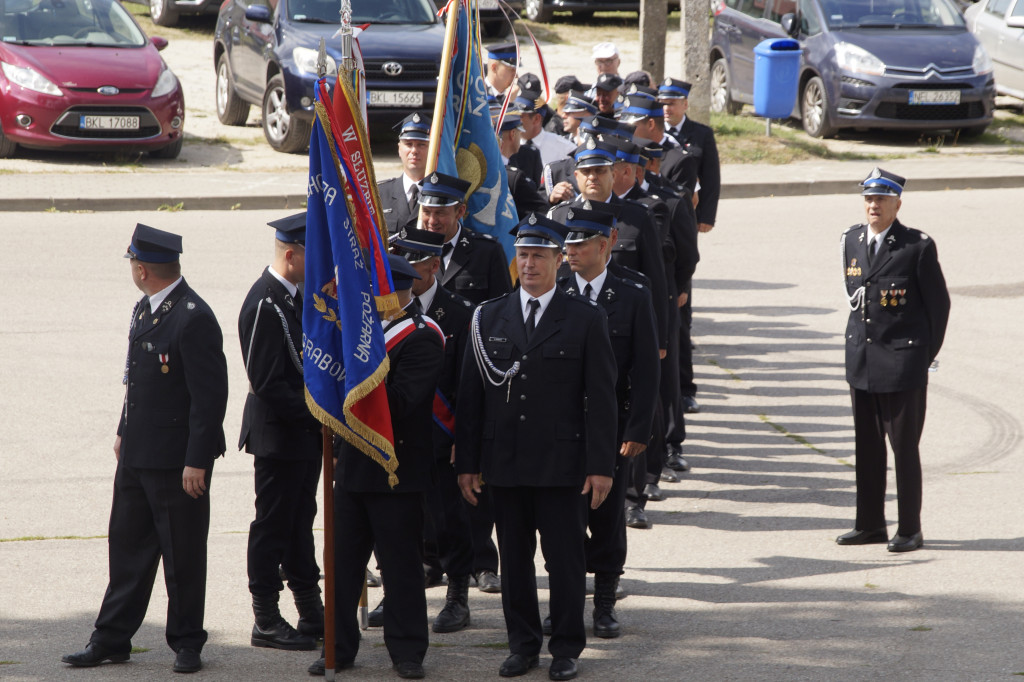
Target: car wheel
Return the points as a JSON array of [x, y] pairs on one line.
[[721, 100], [232, 110], [284, 132], [171, 151], [814, 109], [163, 12], [499, 28], [536, 10], [7, 147]]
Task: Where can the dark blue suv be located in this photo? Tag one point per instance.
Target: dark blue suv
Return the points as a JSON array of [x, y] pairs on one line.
[[265, 54], [903, 64]]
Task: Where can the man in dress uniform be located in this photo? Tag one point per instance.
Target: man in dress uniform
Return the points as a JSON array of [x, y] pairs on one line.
[[552, 147], [502, 64], [699, 141], [606, 93], [170, 431], [536, 419], [370, 514], [399, 196], [521, 185], [634, 343], [447, 510], [279, 430], [899, 307]]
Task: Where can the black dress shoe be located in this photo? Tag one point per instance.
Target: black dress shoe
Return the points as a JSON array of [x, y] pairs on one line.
[[545, 625], [653, 493], [563, 668], [518, 664], [319, 666], [863, 537], [675, 462], [636, 518], [281, 635], [906, 543], [94, 655], [375, 619], [187, 661], [409, 670], [669, 476], [488, 581], [690, 405]]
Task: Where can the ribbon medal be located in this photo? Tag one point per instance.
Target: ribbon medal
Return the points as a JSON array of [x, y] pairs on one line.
[[164, 357], [884, 301]]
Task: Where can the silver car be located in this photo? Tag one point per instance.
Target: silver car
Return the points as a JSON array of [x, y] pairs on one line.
[[999, 26]]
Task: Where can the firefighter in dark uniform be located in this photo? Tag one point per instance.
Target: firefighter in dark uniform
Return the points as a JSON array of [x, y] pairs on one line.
[[560, 177], [699, 142], [527, 197], [169, 433], [536, 419], [399, 196], [899, 308], [371, 515], [447, 511], [474, 266], [278, 429], [634, 342]]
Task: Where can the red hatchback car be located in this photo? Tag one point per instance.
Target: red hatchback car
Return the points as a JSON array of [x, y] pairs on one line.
[[81, 75]]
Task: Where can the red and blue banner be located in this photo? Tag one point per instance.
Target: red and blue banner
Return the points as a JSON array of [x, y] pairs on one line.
[[468, 147], [344, 357]]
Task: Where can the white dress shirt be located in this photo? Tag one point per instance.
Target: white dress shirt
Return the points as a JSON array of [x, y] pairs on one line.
[[156, 299], [596, 284], [545, 299], [292, 289], [427, 297]]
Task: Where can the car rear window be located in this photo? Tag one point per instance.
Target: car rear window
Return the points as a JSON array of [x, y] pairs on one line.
[[891, 14], [90, 23], [364, 11]]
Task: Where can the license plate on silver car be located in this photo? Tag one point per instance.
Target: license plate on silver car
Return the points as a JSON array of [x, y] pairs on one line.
[[488, 4], [396, 98], [108, 122], [934, 97]]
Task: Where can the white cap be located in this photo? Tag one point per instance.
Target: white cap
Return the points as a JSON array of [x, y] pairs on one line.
[[605, 51]]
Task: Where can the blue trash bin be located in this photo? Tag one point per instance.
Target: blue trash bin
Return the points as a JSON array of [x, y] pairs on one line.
[[776, 77]]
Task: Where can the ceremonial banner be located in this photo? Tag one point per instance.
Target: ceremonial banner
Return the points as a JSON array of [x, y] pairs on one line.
[[466, 145], [344, 357]]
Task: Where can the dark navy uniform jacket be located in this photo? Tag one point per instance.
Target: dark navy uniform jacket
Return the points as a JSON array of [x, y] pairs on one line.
[[555, 424], [452, 314], [478, 269], [394, 203], [276, 421], [635, 345], [699, 141], [897, 324], [175, 418]]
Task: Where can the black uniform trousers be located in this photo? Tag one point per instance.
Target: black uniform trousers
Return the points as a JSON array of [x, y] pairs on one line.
[[900, 416], [606, 546], [686, 385], [282, 533], [559, 514], [391, 525], [481, 521], [646, 467], [151, 518], [450, 520]]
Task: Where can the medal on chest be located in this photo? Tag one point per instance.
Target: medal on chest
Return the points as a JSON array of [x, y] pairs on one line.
[[164, 357]]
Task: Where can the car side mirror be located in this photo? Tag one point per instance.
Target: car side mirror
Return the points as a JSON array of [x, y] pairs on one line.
[[790, 25], [158, 42], [259, 13], [1015, 22]]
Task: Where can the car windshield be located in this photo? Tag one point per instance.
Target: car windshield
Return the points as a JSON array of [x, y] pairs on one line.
[[363, 11], [842, 14], [90, 23]]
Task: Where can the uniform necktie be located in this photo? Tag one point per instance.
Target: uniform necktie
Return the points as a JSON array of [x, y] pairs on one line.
[[872, 247], [298, 301], [445, 250], [531, 317], [588, 291], [414, 199], [417, 305]]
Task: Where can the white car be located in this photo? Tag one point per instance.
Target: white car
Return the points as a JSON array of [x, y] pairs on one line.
[[999, 26]]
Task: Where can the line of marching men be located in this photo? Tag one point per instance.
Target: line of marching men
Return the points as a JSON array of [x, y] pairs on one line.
[[543, 409]]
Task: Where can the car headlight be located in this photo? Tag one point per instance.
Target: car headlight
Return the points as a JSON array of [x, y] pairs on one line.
[[852, 58], [982, 63], [305, 61], [165, 84], [30, 79]]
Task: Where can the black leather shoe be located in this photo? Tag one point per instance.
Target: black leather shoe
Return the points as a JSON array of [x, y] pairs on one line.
[[488, 581], [94, 655], [545, 625], [563, 668], [675, 462], [690, 405], [653, 493], [319, 666], [863, 537], [375, 618], [409, 670], [187, 661], [518, 664], [636, 518], [281, 635], [669, 476], [906, 543]]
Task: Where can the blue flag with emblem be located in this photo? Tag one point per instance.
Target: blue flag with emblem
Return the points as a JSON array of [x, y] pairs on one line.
[[468, 147]]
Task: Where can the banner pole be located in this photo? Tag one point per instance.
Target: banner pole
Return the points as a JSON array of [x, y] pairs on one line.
[[329, 634], [440, 100]]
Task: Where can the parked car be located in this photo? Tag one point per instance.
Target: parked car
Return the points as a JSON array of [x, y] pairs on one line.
[[999, 26], [493, 22], [167, 12], [267, 56], [892, 64], [543, 10], [81, 75]]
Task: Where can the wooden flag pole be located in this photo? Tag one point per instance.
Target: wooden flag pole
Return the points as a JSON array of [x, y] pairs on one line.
[[329, 634], [440, 102]]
